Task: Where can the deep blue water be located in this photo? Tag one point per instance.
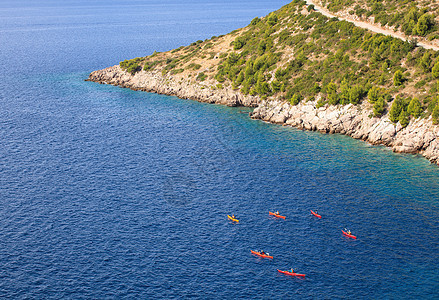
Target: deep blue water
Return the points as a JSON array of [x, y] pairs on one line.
[[110, 193]]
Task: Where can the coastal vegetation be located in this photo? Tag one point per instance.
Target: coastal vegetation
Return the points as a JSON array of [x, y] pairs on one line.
[[296, 54], [413, 18]]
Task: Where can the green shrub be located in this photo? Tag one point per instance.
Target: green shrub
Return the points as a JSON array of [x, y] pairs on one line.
[[276, 86], [373, 94], [238, 43], [272, 19], [133, 68], [435, 70], [149, 65], [193, 66], [255, 21], [176, 71], [316, 88], [321, 102], [295, 99], [201, 76]]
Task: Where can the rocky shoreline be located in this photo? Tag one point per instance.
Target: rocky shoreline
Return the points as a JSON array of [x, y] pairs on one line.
[[168, 85], [420, 136]]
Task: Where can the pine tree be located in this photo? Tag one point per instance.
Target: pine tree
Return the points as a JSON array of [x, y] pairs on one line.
[[395, 110], [435, 70], [415, 108], [398, 78], [373, 94], [331, 90], [404, 118], [379, 107]]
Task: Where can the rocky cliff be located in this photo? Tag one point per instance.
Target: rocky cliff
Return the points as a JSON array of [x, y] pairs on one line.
[[168, 85], [420, 136]]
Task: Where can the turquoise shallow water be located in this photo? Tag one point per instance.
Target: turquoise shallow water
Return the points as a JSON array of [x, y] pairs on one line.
[[111, 193]]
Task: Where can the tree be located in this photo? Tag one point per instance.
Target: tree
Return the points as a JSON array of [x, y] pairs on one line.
[[403, 118], [398, 78], [425, 62], [395, 110], [133, 68], [276, 85], [238, 43], [262, 47], [255, 21], [379, 107], [248, 69], [415, 108], [435, 70], [295, 99], [262, 87], [316, 88], [272, 19], [344, 92], [424, 24], [331, 91], [373, 94], [435, 114], [355, 94], [240, 77]]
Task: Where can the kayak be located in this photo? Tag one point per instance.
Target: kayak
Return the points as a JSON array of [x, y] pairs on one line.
[[290, 273], [233, 219], [316, 214], [349, 235], [277, 216], [261, 255]]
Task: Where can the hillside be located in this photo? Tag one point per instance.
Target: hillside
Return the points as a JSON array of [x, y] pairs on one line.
[[415, 19], [296, 54], [298, 57]]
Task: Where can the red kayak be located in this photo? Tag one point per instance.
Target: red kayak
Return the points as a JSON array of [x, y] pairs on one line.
[[261, 255], [276, 215], [349, 235], [316, 214], [290, 273]]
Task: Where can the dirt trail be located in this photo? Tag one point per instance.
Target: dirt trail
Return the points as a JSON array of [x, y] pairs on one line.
[[369, 26]]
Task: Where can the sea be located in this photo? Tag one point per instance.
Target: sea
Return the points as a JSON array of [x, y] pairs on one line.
[[109, 193]]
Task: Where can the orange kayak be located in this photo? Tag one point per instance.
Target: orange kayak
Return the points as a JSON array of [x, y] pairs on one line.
[[290, 273], [349, 235], [260, 254], [316, 214], [233, 219], [277, 216]]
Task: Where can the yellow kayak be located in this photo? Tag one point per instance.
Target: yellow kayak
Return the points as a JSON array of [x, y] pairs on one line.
[[233, 219]]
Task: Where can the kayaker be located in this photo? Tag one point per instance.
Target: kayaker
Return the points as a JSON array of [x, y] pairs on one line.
[[276, 213], [233, 216], [349, 232], [292, 271]]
